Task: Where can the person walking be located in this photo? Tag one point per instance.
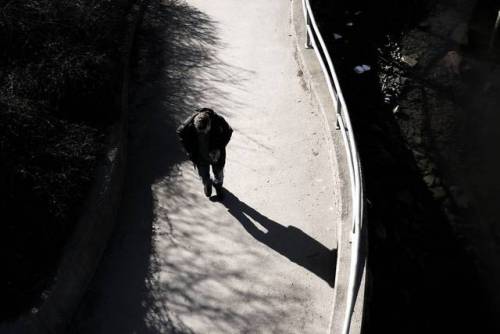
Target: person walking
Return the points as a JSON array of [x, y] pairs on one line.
[[205, 135]]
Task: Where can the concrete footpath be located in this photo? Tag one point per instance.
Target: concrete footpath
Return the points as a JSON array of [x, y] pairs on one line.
[[263, 261]]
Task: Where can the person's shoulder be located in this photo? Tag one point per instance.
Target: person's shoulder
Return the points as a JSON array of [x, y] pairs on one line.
[[187, 123], [218, 116]]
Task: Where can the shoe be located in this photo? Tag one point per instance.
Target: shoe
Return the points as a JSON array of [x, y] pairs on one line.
[[220, 191], [207, 187]]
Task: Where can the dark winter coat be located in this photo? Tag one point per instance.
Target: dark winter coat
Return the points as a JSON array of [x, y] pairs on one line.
[[219, 135]]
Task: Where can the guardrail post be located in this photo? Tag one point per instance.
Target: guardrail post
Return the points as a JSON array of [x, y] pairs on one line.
[[338, 107], [308, 24], [308, 37]]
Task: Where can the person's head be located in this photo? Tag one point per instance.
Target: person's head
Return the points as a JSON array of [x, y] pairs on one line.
[[202, 122]]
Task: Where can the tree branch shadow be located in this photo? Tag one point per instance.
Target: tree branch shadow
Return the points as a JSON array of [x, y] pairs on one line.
[[177, 70]]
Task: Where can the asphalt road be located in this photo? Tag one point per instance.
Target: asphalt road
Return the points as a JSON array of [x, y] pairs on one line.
[[263, 261]]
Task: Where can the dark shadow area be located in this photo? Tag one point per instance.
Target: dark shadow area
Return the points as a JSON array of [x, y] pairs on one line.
[[422, 278], [60, 72], [476, 145], [289, 241]]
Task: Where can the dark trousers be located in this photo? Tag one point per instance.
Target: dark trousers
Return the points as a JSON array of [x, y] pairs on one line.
[[217, 169]]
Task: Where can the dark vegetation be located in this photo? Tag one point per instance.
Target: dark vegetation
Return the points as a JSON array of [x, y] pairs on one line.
[[59, 78], [422, 279]]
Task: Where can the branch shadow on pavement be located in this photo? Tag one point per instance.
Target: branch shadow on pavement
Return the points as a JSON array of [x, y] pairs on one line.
[[153, 278], [176, 71], [164, 270], [289, 241]]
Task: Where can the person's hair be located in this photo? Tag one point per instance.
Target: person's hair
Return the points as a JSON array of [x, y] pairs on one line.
[[201, 120]]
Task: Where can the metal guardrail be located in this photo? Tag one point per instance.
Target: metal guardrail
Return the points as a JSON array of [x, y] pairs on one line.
[[315, 40]]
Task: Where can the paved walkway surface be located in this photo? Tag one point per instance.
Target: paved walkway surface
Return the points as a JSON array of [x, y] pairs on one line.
[[263, 261]]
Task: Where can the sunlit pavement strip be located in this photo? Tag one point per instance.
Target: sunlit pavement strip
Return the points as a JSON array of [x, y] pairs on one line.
[[259, 262]]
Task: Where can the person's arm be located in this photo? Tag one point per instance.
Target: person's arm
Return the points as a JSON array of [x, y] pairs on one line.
[[183, 134], [227, 131]]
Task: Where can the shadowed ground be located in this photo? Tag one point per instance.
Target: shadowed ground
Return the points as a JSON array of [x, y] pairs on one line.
[[263, 261]]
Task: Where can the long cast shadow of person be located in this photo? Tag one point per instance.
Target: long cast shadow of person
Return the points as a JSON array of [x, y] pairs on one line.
[[289, 241]]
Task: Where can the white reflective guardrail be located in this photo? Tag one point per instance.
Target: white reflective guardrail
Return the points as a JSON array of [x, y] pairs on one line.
[[315, 40]]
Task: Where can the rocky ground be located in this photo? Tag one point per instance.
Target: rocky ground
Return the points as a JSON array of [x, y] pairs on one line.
[[423, 112], [447, 114]]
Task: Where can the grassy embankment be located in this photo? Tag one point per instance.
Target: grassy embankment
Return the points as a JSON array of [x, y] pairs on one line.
[[59, 75]]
